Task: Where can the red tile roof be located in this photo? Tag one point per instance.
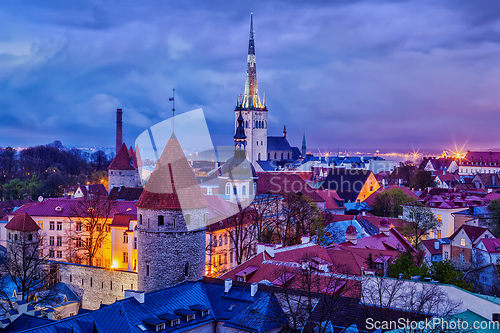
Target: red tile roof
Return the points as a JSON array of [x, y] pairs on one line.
[[429, 244], [122, 160], [472, 232], [65, 207], [22, 222], [330, 197], [492, 245], [123, 220], [172, 185], [283, 183], [395, 241]]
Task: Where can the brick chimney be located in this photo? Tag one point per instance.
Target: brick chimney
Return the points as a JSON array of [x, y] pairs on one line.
[[119, 132]]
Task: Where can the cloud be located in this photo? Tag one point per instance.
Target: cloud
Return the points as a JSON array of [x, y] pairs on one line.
[[351, 74]]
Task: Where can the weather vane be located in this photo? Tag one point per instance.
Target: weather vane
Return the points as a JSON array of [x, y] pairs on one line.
[[173, 107]]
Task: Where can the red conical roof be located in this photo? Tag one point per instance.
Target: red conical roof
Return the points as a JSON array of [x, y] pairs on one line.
[[122, 160], [351, 230], [22, 222], [172, 185]]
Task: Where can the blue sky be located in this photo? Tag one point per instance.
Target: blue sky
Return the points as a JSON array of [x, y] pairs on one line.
[[351, 74]]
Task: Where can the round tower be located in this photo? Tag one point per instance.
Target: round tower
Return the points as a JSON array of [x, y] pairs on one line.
[[171, 214]]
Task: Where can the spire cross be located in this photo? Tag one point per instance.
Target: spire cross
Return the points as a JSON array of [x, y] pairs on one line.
[[173, 107]]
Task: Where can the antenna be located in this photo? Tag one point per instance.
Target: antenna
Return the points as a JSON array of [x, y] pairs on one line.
[[173, 107]]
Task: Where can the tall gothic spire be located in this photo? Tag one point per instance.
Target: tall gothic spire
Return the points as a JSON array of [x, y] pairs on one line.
[[251, 98]]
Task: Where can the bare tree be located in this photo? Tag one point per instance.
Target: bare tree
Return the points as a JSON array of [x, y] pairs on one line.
[[30, 273], [420, 221], [93, 215], [266, 211], [415, 301]]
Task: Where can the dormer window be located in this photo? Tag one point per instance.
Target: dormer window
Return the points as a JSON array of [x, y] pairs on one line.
[[188, 314], [175, 322]]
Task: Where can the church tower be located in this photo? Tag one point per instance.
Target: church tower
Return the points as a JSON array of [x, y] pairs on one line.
[[254, 112], [171, 216]]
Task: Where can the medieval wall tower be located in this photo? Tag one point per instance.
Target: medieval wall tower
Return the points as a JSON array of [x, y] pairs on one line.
[[253, 111], [171, 215]]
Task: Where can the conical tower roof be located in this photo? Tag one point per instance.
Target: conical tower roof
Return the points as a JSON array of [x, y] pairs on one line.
[[172, 185], [22, 222], [122, 160]]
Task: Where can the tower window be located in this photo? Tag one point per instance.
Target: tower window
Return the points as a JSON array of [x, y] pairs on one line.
[[281, 155], [268, 156], [257, 143], [186, 269], [161, 220], [140, 219], [30, 237], [274, 155], [259, 160], [234, 190]]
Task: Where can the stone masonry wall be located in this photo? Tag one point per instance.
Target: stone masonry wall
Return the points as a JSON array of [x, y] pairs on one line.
[[164, 251], [96, 285]]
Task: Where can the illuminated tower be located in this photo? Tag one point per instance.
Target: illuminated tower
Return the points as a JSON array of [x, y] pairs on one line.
[[254, 112]]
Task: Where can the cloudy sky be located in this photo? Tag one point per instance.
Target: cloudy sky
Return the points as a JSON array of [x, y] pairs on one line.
[[350, 74]]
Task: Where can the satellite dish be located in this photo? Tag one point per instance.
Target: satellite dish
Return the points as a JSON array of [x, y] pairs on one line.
[[40, 199]]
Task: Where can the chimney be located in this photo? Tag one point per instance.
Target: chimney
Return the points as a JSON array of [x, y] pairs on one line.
[[119, 132], [49, 313], [19, 295], [138, 295], [228, 283], [254, 287], [21, 306], [306, 239], [261, 247]]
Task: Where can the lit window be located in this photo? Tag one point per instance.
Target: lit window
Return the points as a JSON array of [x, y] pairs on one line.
[[125, 257], [125, 237], [462, 242], [40, 224], [40, 240]]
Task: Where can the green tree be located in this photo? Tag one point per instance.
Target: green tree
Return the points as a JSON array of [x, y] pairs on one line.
[[34, 186], [407, 265], [494, 208], [389, 203], [15, 189], [422, 179], [445, 272]]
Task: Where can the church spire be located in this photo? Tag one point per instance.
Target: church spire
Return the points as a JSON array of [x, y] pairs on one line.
[[304, 145], [240, 139], [251, 98]]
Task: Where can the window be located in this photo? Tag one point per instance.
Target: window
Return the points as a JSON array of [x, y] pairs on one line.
[[79, 226], [274, 155], [147, 269], [40, 240], [190, 317], [228, 188], [235, 192], [161, 220], [431, 233], [30, 237], [483, 278], [440, 218], [125, 257], [52, 225], [462, 242], [140, 219], [259, 157], [51, 254], [51, 241], [59, 254], [257, 143], [445, 255], [220, 240], [40, 253], [187, 218], [186, 269], [40, 224], [462, 259], [59, 241], [175, 322], [78, 242], [125, 237], [438, 233], [225, 239], [205, 313], [135, 243], [59, 225], [244, 188]]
